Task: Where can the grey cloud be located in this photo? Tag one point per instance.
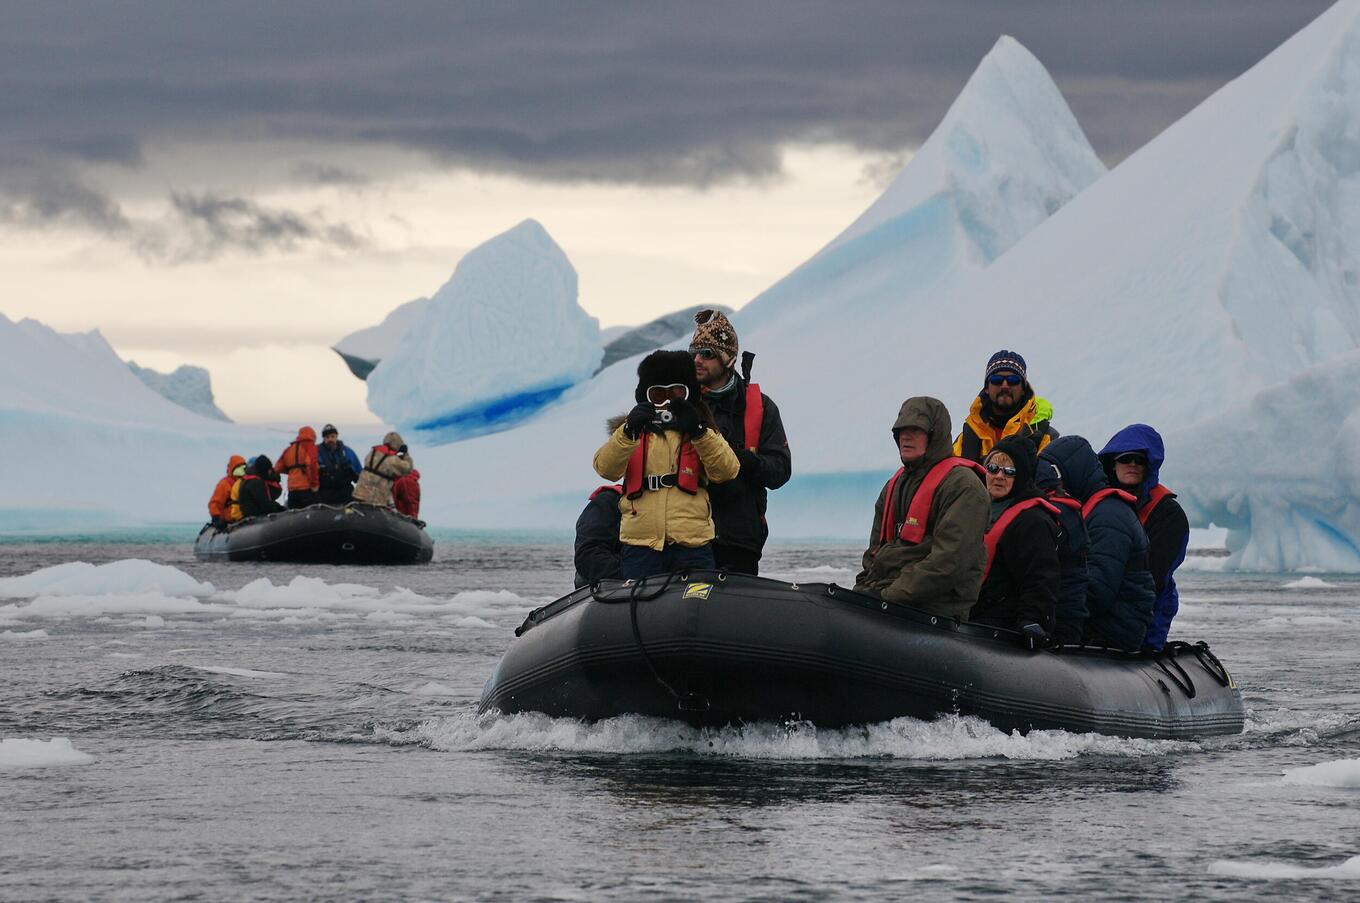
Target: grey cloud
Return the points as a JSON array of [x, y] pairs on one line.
[[690, 93], [216, 224], [60, 199], [326, 174]]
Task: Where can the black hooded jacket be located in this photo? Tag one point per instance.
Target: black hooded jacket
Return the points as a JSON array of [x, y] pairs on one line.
[[260, 488], [1120, 590], [1022, 585], [1069, 614], [739, 505]]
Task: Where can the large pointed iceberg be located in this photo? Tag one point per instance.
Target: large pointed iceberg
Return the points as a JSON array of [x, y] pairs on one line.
[[504, 337]]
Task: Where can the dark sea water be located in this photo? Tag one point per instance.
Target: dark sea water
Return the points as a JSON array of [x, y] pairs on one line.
[[317, 739]]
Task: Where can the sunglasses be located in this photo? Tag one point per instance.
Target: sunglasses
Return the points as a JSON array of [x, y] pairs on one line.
[[1132, 458], [704, 354], [997, 379], [997, 468], [659, 395]]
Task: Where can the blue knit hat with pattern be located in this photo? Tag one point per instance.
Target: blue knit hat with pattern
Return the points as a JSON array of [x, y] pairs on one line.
[[1005, 360]]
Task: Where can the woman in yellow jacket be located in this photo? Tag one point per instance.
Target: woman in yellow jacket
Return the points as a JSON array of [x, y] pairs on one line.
[[666, 452]]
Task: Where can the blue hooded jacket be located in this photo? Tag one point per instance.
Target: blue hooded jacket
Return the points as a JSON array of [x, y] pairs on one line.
[[1167, 528], [1120, 588]]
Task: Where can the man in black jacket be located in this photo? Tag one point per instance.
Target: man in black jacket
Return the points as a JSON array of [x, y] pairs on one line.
[[751, 424]]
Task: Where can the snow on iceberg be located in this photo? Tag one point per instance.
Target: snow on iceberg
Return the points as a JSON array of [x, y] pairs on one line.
[[502, 338], [852, 321], [25, 753], [131, 575], [362, 351], [189, 387]]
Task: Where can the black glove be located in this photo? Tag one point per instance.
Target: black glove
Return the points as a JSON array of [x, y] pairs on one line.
[[638, 420], [402, 450], [219, 524], [1034, 634], [750, 465], [686, 418]]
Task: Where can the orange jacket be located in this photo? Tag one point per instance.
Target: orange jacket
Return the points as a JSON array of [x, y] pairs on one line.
[[221, 497], [298, 461]]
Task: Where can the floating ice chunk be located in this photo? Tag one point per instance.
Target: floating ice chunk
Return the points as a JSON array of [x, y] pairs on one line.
[[1307, 583], [504, 337], [1280, 871], [1343, 773], [76, 606], [80, 578], [25, 753]]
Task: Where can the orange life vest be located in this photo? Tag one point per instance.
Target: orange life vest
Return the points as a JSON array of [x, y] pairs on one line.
[[1155, 497], [913, 528], [992, 538], [754, 418], [686, 475], [1098, 497]]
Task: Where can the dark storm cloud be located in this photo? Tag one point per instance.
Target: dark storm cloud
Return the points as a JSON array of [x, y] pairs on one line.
[[682, 93], [218, 223]]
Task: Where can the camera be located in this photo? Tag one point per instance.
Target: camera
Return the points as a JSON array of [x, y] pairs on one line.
[[663, 416]]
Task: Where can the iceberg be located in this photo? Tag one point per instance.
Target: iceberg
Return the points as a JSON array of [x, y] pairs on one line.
[[362, 351], [501, 339], [635, 340], [189, 387]]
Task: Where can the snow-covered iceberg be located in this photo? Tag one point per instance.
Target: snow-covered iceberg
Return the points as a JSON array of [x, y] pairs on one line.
[[362, 351], [501, 339], [189, 387]]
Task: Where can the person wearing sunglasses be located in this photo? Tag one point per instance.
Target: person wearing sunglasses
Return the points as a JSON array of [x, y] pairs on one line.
[[750, 422], [1119, 586], [1133, 461], [667, 453], [1006, 406], [1020, 587], [926, 548]]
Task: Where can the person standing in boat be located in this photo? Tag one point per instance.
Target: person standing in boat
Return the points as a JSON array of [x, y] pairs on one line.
[[385, 464], [1022, 577], [338, 468], [299, 463], [259, 489], [1133, 461], [1120, 589], [751, 424], [1006, 406], [666, 451], [221, 496], [926, 548]]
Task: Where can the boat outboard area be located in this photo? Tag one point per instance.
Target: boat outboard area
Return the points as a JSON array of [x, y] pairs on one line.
[[714, 648], [320, 534]]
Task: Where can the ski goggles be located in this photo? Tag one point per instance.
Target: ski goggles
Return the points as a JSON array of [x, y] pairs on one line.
[[1132, 458], [997, 468], [1009, 379], [659, 395]]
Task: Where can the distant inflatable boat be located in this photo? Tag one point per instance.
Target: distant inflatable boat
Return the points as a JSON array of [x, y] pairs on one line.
[[716, 649], [321, 534]]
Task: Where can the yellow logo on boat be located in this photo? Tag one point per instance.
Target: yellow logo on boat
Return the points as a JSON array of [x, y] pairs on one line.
[[697, 591]]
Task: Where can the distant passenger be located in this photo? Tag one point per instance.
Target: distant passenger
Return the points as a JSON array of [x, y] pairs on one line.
[[221, 496], [1070, 611], [666, 452], [1133, 460], [339, 468], [751, 424], [597, 537], [259, 489], [1020, 588], [1120, 588], [406, 494], [299, 463], [1006, 406], [925, 548], [383, 466]]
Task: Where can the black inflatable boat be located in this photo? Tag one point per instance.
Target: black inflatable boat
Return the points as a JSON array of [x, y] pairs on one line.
[[715, 648], [322, 534]]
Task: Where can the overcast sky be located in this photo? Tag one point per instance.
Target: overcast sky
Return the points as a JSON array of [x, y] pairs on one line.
[[242, 184]]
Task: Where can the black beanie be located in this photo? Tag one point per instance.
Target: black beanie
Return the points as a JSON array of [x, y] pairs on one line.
[[664, 368]]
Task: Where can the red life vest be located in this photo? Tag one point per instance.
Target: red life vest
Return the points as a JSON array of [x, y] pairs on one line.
[[994, 533], [913, 528], [386, 453], [1155, 497], [1098, 497], [612, 487], [754, 418], [686, 476]]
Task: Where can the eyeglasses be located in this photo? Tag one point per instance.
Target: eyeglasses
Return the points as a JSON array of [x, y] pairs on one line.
[[659, 395], [1132, 458], [997, 468], [704, 353], [997, 379]]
